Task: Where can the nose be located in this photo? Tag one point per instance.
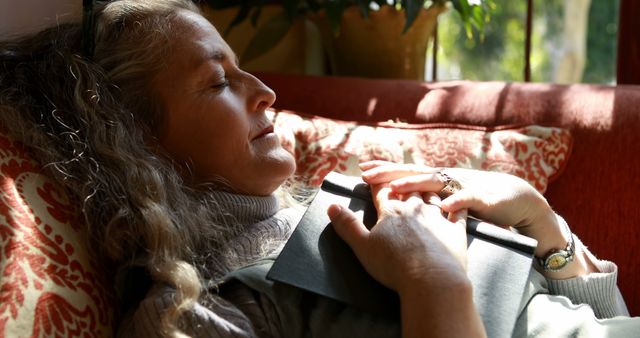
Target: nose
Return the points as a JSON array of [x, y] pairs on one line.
[[261, 96]]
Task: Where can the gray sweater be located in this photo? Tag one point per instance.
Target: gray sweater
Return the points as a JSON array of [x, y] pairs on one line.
[[251, 306]]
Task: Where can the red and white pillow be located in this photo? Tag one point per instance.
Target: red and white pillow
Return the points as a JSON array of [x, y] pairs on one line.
[[49, 285], [320, 145]]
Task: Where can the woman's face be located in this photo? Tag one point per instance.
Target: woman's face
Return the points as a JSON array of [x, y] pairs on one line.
[[215, 127]]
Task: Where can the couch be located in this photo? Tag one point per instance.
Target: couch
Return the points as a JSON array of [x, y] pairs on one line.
[[51, 286], [596, 193]]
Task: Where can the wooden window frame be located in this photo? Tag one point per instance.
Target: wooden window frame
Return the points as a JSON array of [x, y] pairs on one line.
[[628, 60]]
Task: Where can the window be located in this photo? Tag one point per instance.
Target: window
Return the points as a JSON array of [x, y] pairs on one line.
[[572, 41]]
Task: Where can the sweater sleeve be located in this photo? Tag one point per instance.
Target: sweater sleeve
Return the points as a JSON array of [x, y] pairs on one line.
[[585, 306], [598, 290], [226, 321], [549, 316]]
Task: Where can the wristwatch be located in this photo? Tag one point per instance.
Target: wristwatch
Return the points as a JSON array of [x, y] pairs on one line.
[[556, 259]]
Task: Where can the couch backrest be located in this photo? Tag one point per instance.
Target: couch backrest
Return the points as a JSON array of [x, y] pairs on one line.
[[598, 190]]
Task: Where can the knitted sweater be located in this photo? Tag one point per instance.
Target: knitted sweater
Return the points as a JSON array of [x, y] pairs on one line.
[[265, 227], [578, 307]]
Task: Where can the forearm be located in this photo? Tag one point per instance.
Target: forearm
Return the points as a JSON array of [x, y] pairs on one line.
[[441, 309]]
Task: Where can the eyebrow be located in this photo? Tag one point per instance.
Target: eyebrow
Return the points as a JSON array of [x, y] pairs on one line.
[[220, 56], [217, 55]]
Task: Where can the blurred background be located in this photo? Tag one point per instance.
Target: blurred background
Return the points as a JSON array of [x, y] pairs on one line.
[[570, 41]]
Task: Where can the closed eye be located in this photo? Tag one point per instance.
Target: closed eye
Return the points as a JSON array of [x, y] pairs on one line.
[[221, 85]]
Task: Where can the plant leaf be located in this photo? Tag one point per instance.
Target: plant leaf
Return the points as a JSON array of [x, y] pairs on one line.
[[363, 5], [267, 36], [243, 12], [411, 10], [464, 9], [458, 6], [221, 4], [290, 8], [477, 17], [334, 10], [255, 16]]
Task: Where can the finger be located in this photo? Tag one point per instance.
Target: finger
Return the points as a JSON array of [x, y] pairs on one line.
[[373, 164], [388, 173], [348, 227], [463, 199], [430, 197], [414, 197], [381, 194], [459, 220], [432, 202], [422, 182], [459, 217]]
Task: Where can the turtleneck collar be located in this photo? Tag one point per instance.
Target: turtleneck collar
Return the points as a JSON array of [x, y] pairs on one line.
[[263, 228], [245, 210]]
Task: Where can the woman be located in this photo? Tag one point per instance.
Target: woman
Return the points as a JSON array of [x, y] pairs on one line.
[[164, 141]]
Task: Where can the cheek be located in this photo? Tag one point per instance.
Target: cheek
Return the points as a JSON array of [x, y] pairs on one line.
[[204, 151], [220, 154], [219, 139]]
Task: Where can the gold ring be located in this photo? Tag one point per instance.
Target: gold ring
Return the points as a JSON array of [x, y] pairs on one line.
[[451, 185]]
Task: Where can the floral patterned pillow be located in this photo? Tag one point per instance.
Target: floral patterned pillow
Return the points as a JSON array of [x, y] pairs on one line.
[[49, 285], [535, 153]]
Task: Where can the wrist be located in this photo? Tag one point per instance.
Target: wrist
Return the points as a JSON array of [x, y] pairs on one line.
[[559, 249], [551, 232], [434, 284], [435, 288], [579, 266], [557, 259], [429, 310]]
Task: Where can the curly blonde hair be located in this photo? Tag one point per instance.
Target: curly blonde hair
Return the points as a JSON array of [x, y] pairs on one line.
[[92, 124]]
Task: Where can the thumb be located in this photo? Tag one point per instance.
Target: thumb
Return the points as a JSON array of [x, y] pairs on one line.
[[348, 227], [463, 199], [459, 217]]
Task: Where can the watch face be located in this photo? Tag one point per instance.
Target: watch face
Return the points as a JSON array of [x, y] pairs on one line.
[[556, 261]]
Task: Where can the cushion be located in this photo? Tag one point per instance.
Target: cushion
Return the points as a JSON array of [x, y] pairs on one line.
[[320, 145], [50, 286]]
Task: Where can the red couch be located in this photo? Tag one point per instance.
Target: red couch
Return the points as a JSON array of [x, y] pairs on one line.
[[598, 191], [52, 286]]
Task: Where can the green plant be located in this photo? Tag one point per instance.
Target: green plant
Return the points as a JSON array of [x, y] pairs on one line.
[[474, 14]]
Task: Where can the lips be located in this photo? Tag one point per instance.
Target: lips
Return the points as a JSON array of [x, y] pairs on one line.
[[264, 132]]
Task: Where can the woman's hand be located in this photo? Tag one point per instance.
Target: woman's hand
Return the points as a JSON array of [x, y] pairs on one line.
[[502, 199], [411, 243], [416, 251]]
